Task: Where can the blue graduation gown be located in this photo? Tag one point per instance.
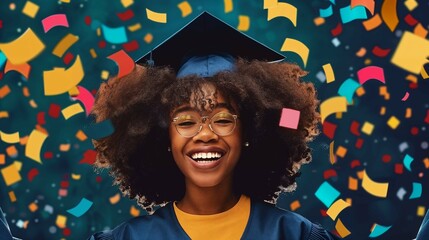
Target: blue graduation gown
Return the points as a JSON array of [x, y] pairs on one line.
[[423, 233], [265, 222]]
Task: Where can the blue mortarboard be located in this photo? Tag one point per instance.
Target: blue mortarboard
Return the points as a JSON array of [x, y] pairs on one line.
[[206, 46]]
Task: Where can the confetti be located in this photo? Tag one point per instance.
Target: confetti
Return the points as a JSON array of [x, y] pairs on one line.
[[114, 35], [374, 188], [72, 110], [243, 23], [156, 17], [64, 44], [293, 45], [326, 12], [125, 63], [411, 4], [24, 69], [407, 161], [411, 52], [23, 49], [393, 122], [329, 72], [405, 97], [270, 3], [186, 9], [127, 15], [81, 208], [30, 9], [327, 194], [34, 145], [389, 15], [367, 128], [61, 221], [32, 174], [115, 198], [371, 72], [336, 208], [10, 174], [368, 4], [54, 20], [332, 157], [289, 118], [283, 9], [417, 190], [348, 88], [69, 78], [9, 137], [228, 6], [353, 183], [127, 3], [341, 229], [378, 230], [332, 105], [349, 14], [373, 22]]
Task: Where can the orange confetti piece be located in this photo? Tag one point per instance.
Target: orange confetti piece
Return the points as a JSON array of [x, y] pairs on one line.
[[421, 31], [389, 15], [295, 205], [353, 183], [373, 22], [23, 69], [4, 91]]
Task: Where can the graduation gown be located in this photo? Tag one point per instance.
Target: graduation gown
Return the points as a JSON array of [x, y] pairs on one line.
[[265, 222]]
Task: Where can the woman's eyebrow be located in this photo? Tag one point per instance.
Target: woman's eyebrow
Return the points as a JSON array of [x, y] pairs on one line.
[[189, 108], [183, 109], [225, 105]]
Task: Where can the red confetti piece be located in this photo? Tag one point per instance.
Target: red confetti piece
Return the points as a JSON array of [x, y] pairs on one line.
[[89, 157], [413, 85], [68, 58], [1, 24], [88, 20], [41, 118], [414, 131], [337, 30], [355, 163], [131, 46], [124, 16], [359, 143], [94, 91], [354, 128], [386, 158], [323, 212], [329, 173], [98, 179], [380, 52], [32, 174], [125, 63], [1, 75], [64, 184], [102, 44], [48, 155], [329, 129], [66, 232], [427, 117], [399, 168], [54, 110], [410, 20]]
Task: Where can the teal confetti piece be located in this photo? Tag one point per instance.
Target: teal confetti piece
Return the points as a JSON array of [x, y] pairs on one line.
[[114, 35], [348, 14], [2, 59], [417, 190], [407, 162], [327, 12], [81, 208], [348, 88], [327, 194], [379, 230]]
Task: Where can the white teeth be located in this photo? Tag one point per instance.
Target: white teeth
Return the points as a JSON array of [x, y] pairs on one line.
[[206, 155]]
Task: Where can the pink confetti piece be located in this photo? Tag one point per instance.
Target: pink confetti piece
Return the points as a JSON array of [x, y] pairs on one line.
[[370, 72], [289, 118], [54, 21], [405, 97], [86, 98]]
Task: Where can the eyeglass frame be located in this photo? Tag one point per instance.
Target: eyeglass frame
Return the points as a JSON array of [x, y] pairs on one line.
[[202, 120]]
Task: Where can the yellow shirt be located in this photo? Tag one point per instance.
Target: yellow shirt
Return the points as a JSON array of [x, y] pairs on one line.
[[227, 225]]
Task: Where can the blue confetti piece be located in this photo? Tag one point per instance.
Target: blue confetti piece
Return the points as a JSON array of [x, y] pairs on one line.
[[327, 12], [2, 59], [114, 35], [348, 88], [379, 230], [348, 14], [407, 162], [327, 194], [417, 190], [332, 1], [80, 209]]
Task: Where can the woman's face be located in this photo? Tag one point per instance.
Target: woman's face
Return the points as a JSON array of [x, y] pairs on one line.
[[206, 159]]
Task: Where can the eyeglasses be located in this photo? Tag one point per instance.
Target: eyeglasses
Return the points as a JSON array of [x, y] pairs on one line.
[[190, 124]]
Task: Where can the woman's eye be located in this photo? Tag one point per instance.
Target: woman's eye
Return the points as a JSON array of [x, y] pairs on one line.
[[186, 124], [223, 121]]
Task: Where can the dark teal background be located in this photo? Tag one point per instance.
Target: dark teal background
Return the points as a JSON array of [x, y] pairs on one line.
[[97, 187]]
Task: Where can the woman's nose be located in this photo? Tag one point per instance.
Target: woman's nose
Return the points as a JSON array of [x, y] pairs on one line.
[[205, 134]]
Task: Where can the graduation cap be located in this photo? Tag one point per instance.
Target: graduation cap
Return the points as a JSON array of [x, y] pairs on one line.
[[205, 46]]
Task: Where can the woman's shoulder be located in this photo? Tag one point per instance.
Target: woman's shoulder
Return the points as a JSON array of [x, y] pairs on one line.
[[287, 224], [161, 225]]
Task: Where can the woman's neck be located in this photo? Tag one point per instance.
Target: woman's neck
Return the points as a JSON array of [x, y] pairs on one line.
[[207, 200]]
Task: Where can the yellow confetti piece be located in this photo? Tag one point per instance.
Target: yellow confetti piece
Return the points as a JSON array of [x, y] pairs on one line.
[[134, 27], [349, 201], [30, 9], [411, 52], [421, 210], [335, 209], [361, 52], [23, 49], [33, 207], [115, 199], [64, 44], [374, 188], [61, 221], [332, 105], [283, 9], [341, 229], [4, 91], [60, 80], [11, 151], [367, 128], [319, 21], [411, 4], [81, 135], [65, 1], [72, 110], [148, 38], [2, 159], [134, 211], [9, 137], [426, 162], [389, 15], [18, 165], [98, 31], [75, 176], [73, 92], [270, 3], [156, 17], [34, 145], [341, 151], [360, 91], [65, 147], [185, 8], [353, 183], [367, 61], [292, 45], [295, 205], [329, 72], [93, 53], [4, 114], [12, 196], [228, 6], [421, 31], [10, 174], [408, 112], [104, 75], [127, 3], [338, 115], [243, 23], [393, 122], [382, 111], [332, 157]]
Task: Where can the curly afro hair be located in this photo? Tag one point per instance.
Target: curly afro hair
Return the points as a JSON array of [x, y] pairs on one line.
[[139, 106]]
